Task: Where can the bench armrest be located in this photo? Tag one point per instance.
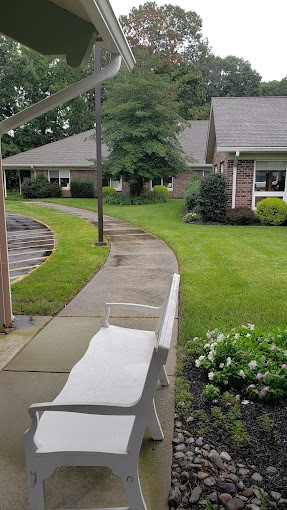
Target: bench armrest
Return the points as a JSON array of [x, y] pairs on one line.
[[93, 408], [128, 306]]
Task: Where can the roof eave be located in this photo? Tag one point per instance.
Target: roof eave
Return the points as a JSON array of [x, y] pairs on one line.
[[110, 32], [251, 149]]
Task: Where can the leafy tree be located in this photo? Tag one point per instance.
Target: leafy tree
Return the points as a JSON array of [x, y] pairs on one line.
[[141, 124], [230, 76], [26, 78], [166, 30], [274, 88]]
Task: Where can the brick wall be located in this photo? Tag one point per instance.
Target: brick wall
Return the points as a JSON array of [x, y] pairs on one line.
[[244, 183], [244, 179], [179, 183]]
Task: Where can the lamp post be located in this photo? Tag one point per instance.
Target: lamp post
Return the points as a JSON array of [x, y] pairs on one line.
[[99, 172]]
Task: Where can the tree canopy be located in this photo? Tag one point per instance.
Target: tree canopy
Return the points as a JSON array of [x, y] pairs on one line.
[[141, 124]]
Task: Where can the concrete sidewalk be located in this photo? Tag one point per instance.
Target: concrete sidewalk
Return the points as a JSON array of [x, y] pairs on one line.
[[138, 269]]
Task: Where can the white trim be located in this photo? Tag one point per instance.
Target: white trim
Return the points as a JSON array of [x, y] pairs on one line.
[[252, 149], [162, 183], [109, 29], [68, 187], [120, 187], [265, 194]]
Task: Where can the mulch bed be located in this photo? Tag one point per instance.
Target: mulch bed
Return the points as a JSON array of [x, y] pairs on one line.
[[265, 424]]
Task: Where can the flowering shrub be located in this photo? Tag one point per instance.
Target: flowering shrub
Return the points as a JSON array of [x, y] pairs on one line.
[[191, 217], [246, 360]]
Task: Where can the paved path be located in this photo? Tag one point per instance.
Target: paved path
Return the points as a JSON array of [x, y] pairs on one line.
[[138, 269]]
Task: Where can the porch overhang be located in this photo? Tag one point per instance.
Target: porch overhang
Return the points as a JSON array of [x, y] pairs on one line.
[[251, 149], [65, 28]]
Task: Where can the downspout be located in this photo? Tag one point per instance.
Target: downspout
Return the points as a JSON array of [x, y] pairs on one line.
[[15, 121], [234, 177]]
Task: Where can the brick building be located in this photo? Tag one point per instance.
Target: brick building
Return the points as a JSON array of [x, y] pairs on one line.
[[247, 142], [74, 158]]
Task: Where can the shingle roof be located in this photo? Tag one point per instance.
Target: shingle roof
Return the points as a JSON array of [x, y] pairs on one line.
[[193, 140], [250, 121], [76, 150], [79, 150]]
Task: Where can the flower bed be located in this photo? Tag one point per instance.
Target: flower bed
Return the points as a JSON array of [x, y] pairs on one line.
[[245, 359]]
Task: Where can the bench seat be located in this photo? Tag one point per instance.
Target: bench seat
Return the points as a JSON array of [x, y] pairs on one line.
[[100, 416]]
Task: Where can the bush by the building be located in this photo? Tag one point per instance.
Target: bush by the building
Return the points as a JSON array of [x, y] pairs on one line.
[[40, 187], [82, 189], [272, 211], [161, 192], [191, 194], [213, 199]]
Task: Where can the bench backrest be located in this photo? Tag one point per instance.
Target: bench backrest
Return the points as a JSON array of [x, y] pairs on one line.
[[163, 336]]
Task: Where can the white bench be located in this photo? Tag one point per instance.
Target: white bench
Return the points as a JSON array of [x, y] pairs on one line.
[[100, 416]]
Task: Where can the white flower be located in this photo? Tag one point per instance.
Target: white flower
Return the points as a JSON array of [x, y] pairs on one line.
[[211, 376], [211, 356], [242, 374], [245, 402], [220, 337], [228, 361], [225, 382], [252, 364], [206, 346], [221, 365], [236, 336], [198, 361]]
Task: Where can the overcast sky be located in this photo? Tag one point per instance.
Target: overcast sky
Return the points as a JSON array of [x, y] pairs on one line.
[[254, 30]]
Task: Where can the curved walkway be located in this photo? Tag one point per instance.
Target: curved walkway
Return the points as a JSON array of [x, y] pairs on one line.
[[138, 269]]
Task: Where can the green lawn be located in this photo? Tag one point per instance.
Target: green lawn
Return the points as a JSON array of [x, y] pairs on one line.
[[230, 275], [73, 263]]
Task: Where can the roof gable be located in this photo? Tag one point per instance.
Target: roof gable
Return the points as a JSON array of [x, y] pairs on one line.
[[250, 122]]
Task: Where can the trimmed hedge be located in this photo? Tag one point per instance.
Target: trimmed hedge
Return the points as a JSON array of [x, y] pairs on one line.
[[82, 189], [161, 192], [272, 211], [241, 216], [116, 199]]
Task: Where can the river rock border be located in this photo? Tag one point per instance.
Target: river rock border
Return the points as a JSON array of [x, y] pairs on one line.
[[201, 475]]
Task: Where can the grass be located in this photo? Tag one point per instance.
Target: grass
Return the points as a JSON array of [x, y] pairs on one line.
[[230, 275], [46, 290]]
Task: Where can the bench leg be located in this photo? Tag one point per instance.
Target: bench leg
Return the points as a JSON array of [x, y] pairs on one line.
[[133, 491], [154, 425], [36, 492], [163, 379]]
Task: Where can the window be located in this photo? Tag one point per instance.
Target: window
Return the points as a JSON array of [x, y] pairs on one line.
[[269, 180], [221, 167], [60, 177], [270, 176], [117, 184], [163, 181]]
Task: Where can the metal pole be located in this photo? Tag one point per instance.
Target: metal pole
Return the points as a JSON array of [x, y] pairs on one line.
[[5, 291], [99, 172]]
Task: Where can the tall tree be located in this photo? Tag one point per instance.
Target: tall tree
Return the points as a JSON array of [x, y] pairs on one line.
[[274, 88], [168, 31], [230, 76], [141, 124]]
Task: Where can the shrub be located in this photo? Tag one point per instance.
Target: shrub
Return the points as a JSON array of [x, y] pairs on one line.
[[210, 392], [191, 194], [212, 200], [116, 199], [246, 360], [191, 217], [272, 211], [82, 189], [108, 190], [39, 187], [241, 216], [161, 192]]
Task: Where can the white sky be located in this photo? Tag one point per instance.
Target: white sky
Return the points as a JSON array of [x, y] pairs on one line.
[[254, 30]]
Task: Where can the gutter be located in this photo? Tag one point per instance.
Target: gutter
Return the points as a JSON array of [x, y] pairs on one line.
[[234, 177], [252, 149], [49, 103]]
